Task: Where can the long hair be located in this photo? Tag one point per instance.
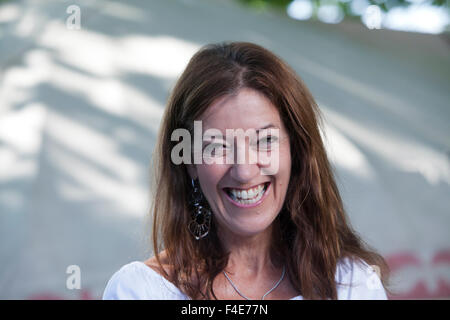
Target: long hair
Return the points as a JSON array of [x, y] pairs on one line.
[[311, 233]]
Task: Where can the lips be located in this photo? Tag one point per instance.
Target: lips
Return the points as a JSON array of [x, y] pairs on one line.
[[247, 197]]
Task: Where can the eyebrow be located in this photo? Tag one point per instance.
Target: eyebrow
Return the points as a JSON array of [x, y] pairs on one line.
[[270, 125]]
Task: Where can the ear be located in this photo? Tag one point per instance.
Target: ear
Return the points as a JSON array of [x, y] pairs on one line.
[[192, 170]]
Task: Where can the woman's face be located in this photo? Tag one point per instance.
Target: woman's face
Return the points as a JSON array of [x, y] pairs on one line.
[[245, 195]]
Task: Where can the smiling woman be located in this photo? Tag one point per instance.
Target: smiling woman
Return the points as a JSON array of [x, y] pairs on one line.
[[262, 218]]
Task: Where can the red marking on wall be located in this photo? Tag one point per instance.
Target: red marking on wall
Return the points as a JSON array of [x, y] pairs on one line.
[[420, 290], [84, 295], [401, 260], [441, 257]]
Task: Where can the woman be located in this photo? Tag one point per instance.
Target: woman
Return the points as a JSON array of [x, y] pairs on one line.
[[231, 228]]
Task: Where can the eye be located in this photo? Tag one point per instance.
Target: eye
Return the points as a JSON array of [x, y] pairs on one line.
[[217, 149], [266, 142]]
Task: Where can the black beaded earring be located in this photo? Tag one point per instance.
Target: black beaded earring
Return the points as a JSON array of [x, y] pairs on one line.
[[201, 215]]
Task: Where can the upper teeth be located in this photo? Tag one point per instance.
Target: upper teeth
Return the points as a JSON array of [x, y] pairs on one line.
[[247, 194]]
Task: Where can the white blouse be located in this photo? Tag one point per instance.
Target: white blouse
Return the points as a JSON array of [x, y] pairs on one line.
[[137, 281]]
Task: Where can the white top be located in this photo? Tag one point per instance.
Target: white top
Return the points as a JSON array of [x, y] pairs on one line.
[[137, 281]]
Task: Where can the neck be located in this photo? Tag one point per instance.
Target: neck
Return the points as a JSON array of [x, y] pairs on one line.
[[248, 254]]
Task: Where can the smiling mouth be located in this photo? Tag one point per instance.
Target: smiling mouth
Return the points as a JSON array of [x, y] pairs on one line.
[[247, 196]]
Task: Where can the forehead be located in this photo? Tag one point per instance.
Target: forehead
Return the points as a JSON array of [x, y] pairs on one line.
[[245, 110]]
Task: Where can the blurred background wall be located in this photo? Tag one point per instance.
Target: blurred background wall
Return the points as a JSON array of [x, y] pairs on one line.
[[83, 85]]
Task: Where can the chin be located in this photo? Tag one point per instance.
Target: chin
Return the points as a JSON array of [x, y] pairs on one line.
[[254, 228]]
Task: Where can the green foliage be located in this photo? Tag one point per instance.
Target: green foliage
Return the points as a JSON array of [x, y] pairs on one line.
[[385, 5], [262, 4]]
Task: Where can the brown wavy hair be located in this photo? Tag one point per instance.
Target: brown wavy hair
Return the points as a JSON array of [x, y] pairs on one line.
[[311, 233]]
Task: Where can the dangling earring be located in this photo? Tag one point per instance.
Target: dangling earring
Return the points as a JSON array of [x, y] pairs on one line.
[[201, 216]]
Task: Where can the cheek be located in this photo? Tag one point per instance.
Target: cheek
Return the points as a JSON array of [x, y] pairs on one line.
[[284, 173], [210, 176], [286, 162]]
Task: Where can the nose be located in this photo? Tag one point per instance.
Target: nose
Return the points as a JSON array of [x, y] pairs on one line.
[[245, 167], [244, 173]]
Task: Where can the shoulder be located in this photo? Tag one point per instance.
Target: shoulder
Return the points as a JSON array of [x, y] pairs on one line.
[[137, 281], [356, 280], [164, 268]]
